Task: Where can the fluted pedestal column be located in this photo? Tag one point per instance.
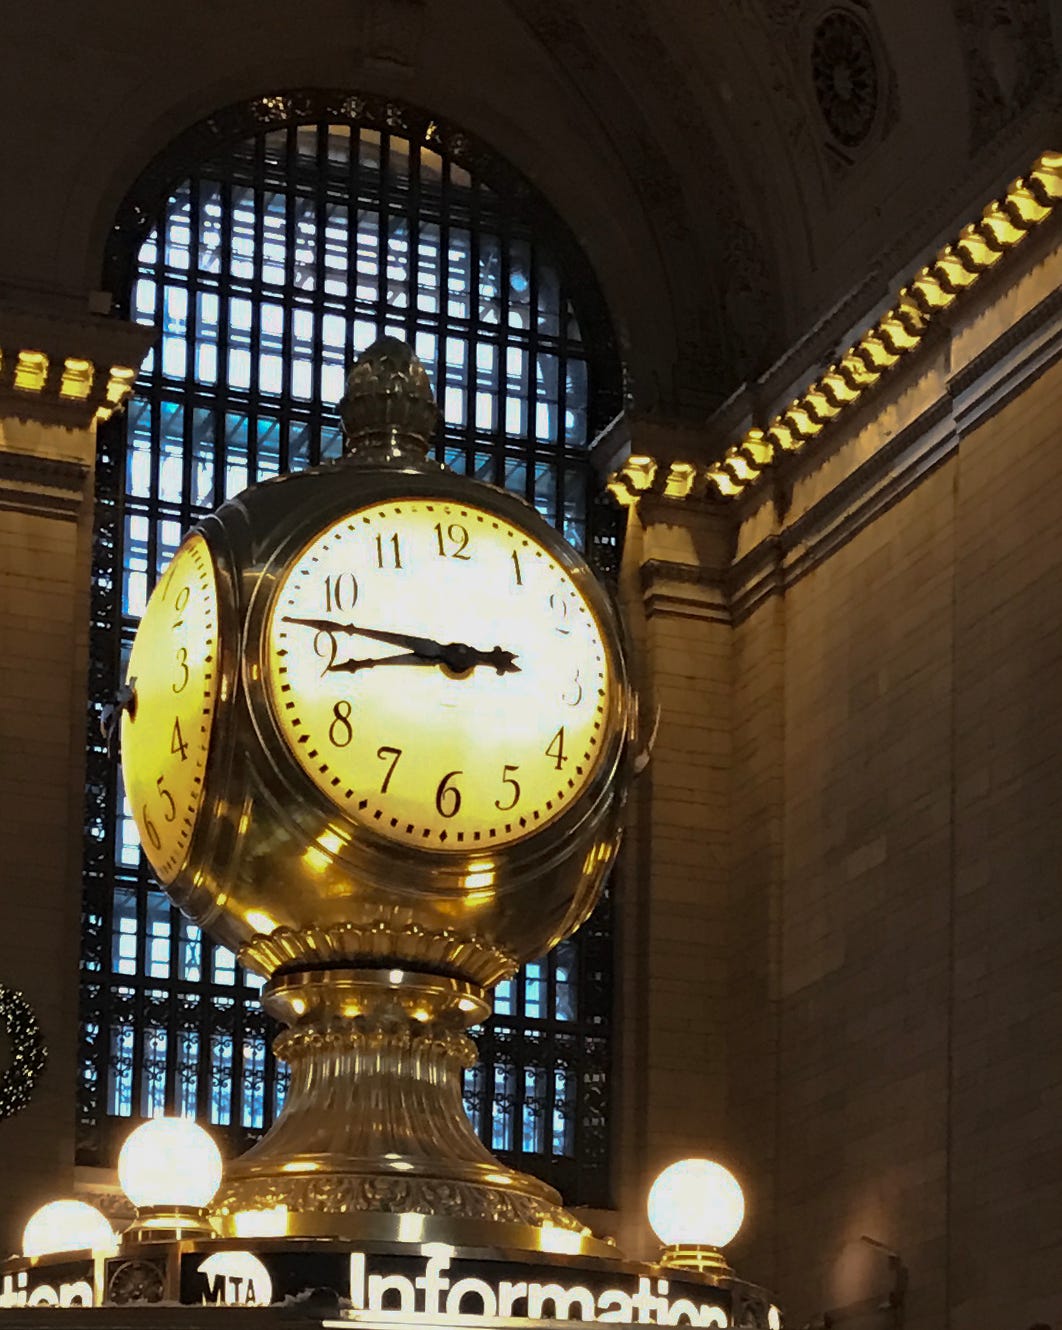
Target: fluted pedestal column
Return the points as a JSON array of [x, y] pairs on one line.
[[373, 1141]]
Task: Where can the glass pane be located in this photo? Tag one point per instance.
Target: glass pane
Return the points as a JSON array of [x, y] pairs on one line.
[[575, 403]]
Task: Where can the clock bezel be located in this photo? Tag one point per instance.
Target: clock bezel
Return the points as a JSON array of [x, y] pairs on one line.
[[364, 850]]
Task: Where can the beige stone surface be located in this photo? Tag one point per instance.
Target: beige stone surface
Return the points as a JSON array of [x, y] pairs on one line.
[[44, 579]]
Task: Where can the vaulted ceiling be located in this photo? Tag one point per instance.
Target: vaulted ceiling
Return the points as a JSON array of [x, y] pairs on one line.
[[743, 174]]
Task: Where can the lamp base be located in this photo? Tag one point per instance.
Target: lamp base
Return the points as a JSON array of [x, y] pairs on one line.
[[169, 1223], [696, 1256]]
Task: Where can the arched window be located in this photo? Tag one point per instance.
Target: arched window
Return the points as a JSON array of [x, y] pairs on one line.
[[270, 244]]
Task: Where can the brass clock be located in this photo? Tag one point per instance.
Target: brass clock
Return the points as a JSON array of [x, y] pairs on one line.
[[377, 696], [173, 675], [378, 744], [438, 674]]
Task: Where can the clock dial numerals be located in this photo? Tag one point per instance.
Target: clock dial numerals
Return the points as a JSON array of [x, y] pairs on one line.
[[514, 785], [426, 696], [171, 807], [340, 732], [180, 605], [326, 645], [558, 606], [183, 672], [149, 828], [388, 753], [177, 741], [454, 543], [448, 796], [340, 592], [165, 744], [573, 694], [389, 551]]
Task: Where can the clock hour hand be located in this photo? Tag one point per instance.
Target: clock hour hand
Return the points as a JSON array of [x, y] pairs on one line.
[[455, 656], [352, 666]]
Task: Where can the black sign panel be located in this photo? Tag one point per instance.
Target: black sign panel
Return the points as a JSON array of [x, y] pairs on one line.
[[434, 1280]]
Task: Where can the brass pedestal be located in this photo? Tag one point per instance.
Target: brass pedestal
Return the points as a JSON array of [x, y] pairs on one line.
[[373, 1142]]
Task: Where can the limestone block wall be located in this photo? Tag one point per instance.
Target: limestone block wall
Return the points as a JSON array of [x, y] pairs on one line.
[[864, 963], [1006, 924], [673, 875], [894, 1006], [78, 370], [45, 539]]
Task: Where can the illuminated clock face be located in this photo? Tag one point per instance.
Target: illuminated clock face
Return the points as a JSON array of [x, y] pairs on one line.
[[438, 674], [173, 672]]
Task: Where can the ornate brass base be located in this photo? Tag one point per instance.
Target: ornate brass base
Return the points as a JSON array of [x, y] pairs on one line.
[[373, 1141]]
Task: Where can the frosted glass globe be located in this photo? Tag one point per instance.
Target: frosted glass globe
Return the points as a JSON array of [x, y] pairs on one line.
[[169, 1162], [696, 1203], [63, 1226]]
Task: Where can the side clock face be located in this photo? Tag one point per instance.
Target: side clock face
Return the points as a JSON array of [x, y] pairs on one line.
[[438, 673], [173, 674]]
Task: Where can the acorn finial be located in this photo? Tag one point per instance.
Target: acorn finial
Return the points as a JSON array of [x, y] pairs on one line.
[[388, 409]]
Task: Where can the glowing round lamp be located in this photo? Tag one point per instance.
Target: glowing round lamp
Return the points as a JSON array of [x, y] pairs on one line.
[[170, 1169], [695, 1207], [62, 1226]]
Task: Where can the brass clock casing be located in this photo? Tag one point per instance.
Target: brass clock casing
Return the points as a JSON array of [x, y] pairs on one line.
[[289, 877], [379, 953]]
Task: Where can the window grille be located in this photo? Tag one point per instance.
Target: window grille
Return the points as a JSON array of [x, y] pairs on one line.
[[270, 245]]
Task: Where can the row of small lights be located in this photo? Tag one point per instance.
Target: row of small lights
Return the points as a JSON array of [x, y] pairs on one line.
[[956, 268], [76, 379], [170, 1169]]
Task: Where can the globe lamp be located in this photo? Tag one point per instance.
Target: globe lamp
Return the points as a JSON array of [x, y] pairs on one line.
[[695, 1208], [170, 1169], [67, 1226]]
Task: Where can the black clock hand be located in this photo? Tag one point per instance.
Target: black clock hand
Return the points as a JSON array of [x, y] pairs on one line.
[[461, 658], [111, 715], [423, 646], [352, 666], [457, 656]]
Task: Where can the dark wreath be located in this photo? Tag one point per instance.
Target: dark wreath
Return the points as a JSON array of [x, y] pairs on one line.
[[28, 1053]]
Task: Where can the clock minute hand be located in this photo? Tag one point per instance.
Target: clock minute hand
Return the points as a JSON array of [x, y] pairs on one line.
[[457, 656], [423, 646]]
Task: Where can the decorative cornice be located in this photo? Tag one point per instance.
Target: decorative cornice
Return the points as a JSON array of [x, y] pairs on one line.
[[966, 401], [46, 486], [63, 368], [957, 267]]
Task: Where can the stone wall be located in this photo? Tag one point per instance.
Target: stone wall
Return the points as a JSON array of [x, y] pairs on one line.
[[45, 539], [893, 1000]]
